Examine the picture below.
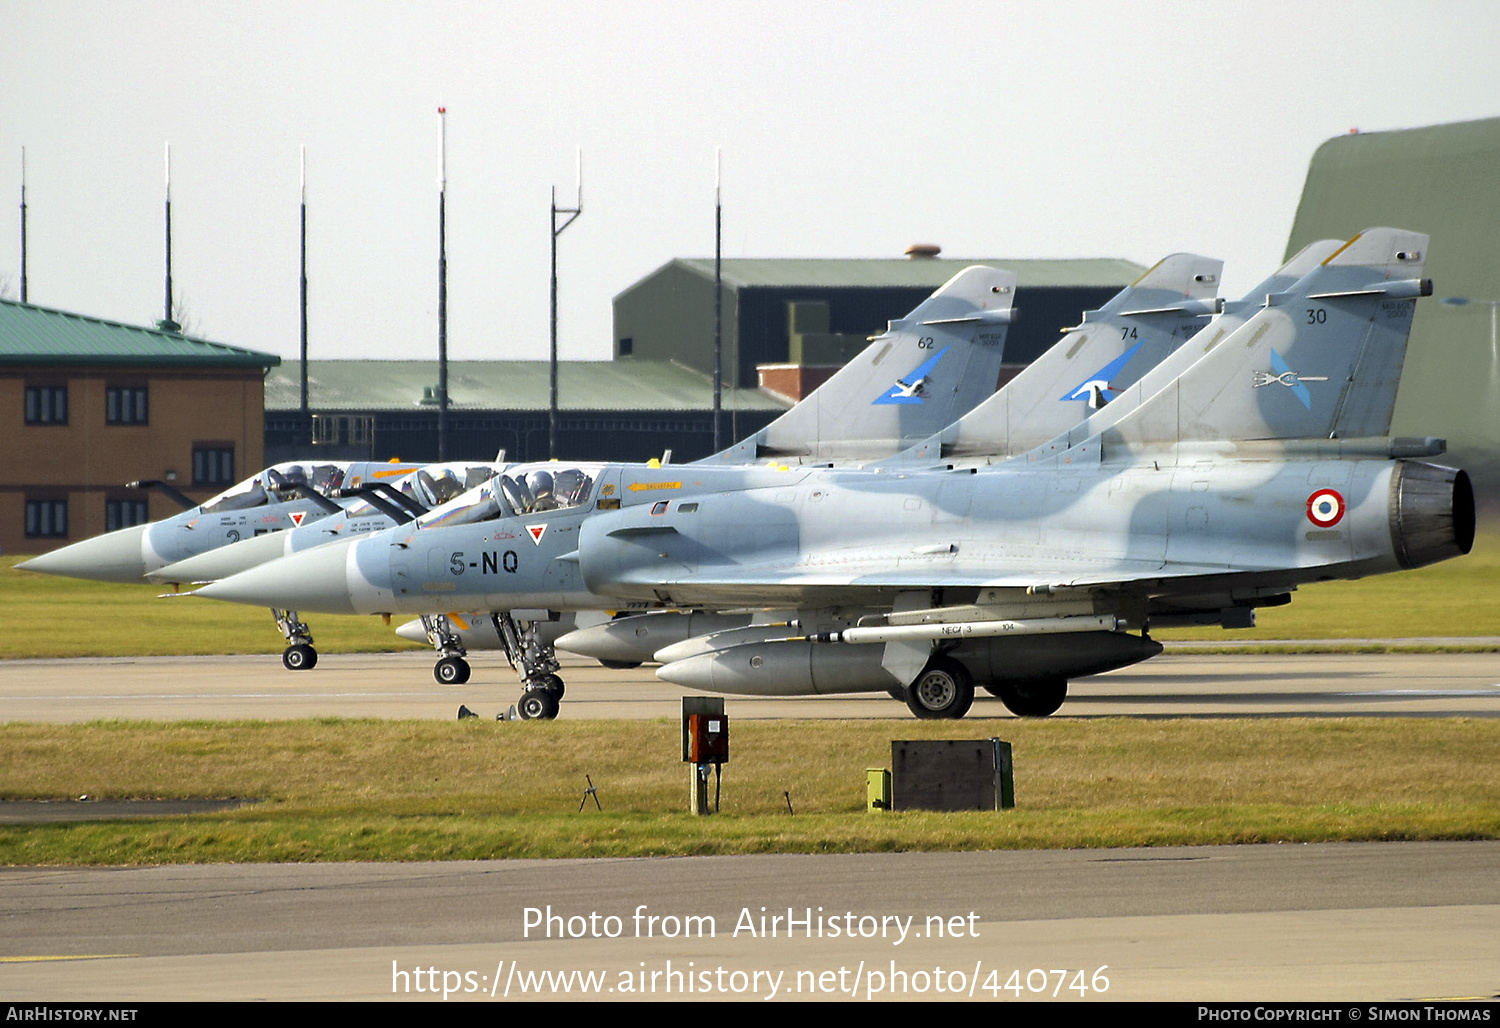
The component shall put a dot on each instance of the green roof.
(33, 336)
(371, 385)
(927, 273)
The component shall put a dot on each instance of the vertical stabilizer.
(1321, 360)
(1235, 314)
(1089, 366)
(924, 371)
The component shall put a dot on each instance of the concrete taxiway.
(399, 685)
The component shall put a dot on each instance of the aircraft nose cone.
(112, 557)
(312, 581)
(225, 561)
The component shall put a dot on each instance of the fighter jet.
(952, 344)
(374, 507)
(1218, 494)
(281, 496)
(1139, 326)
(1212, 497)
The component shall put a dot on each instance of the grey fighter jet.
(1114, 345)
(1092, 364)
(1262, 466)
(924, 371)
(379, 500)
(281, 496)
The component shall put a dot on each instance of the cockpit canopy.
(437, 484)
(523, 489)
(277, 484)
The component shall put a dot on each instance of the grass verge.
(47, 616)
(402, 790)
(1450, 599)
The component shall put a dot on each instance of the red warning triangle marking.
(536, 532)
(297, 518)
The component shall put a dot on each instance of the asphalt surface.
(1344, 922)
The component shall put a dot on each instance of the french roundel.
(1325, 508)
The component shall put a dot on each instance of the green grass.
(1455, 598)
(398, 790)
(48, 616)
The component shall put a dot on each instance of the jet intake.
(1431, 513)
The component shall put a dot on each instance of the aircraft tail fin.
(922, 373)
(1180, 283)
(1321, 360)
(1084, 370)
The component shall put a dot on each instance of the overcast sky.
(848, 129)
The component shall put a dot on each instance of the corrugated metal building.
(608, 410)
(93, 404)
(823, 311)
(658, 393)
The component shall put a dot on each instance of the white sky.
(849, 129)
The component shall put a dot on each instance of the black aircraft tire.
(943, 690)
(451, 671)
(552, 684)
(619, 665)
(301, 657)
(1033, 697)
(537, 705)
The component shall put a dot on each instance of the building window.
(46, 519)
(123, 514)
(213, 465)
(47, 405)
(125, 405)
(627, 346)
(350, 429)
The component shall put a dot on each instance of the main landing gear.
(535, 661)
(451, 668)
(945, 689)
(533, 658)
(299, 654)
(1030, 697)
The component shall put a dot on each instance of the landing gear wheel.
(537, 704)
(943, 690)
(619, 665)
(301, 657)
(1032, 697)
(553, 685)
(451, 671)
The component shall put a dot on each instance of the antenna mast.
(167, 324)
(442, 284)
(23, 224)
(572, 214)
(303, 296)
